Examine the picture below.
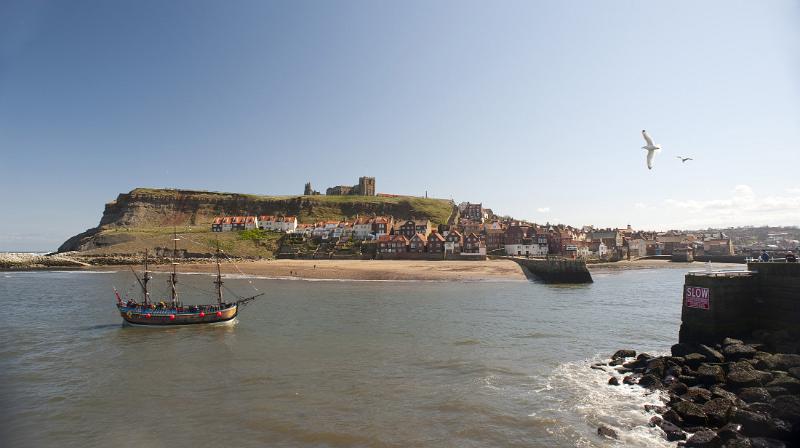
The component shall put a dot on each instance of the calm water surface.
(331, 364)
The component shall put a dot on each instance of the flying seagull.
(684, 159)
(651, 148)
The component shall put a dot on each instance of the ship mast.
(174, 277)
(146, 278)
(218, 281)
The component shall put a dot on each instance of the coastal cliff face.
(159, 208)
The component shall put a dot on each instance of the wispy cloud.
(744, 206)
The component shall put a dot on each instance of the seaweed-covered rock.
(678, 388)
(760, 425)
(719, 392)
(613, 381)
(787, 407)
(656, 366)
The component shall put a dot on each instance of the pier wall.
(556, 270)
(735, 304)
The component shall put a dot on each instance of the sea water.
(331, 363)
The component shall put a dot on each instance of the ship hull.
(171, 318)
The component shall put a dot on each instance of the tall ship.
(147, 312)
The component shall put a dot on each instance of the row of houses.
(263, 222)
(453, 242)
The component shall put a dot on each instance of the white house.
(287, 223)
(533, 250)
(362, 228)
(266, 222)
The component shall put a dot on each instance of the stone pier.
(556, 270)
(721, 304)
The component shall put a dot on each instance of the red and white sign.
(697, 297)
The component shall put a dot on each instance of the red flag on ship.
(119, 299)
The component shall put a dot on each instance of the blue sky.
(533, 108)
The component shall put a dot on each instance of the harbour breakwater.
(556, 270)
(733, 379)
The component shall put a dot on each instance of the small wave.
(579, 390)
(467, 342)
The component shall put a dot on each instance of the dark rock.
(623, 354)
(738, 379)
(697, 395)
(711, 354)
(739, 366)
(691, 413)
(785, 361)
(673, 417)
(729, 432)
(710, 374)
(644, 357)
(731, 341)
(787, 407)
(623, 370)
(655, 408)
(597, 367)
(669, 379)
(737, 352)
(617, 362)
(682, 349)
(688, 380)
(650, 381)
(704, 439)
(605, 431)
(795, 372)
(754, 394)
(741, 442)
(656, 366)
(631, 379)
(764, 442)
(678, 388)
(764, 361)
(764, 377)
(677, 360)
(633, 365)
(777, 391)
(759, 425)
(762, 408)
(718, 410)
(693, 360)
(613, 381)
(718, 392)
(654, 420)
(785, 381)
(671, 431)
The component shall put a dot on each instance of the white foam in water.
(584, 401)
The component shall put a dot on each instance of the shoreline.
(400, 270)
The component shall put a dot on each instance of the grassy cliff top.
(316, 207)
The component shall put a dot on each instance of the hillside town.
(478, 232)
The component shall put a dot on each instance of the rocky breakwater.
(18, 261)
(732, 394)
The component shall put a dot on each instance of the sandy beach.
(494, 270)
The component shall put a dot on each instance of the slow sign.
(697, 297)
